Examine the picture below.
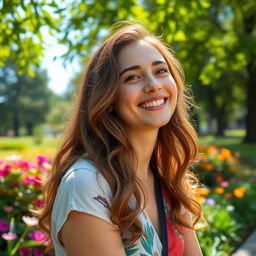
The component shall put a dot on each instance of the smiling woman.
(122, 171)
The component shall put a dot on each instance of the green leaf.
(31, 243)
(180, 36)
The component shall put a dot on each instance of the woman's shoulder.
(84, 176)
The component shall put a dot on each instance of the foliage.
(24, 100)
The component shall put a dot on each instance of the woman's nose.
(152, 85)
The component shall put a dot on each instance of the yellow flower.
(239, 192)
(228, 195)
(225, 153)
(203, 191)
(219, 190)
(200, 199)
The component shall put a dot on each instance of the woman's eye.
(162, 71)
(131, 78)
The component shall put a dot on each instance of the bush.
(20, 191)
(12, 146)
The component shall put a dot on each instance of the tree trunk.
(221, 122)
(251, 105)
(29, 127)
(249, 27)
(212, 107)
(16, 123)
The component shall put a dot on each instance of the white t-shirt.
(80, 190)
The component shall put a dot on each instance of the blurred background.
(44, 47)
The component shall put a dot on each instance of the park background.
(215, 42)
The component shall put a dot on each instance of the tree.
(24, 99)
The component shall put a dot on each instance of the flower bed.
(227, 199)
(20, 184)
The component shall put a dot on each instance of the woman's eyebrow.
(130, 68)
(154, 63)
(157, 62)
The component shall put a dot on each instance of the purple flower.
(42, 159)
(4, 226)
(210, 201)
(37, 252)
(9, 236)
(37, 235)
(24, 251)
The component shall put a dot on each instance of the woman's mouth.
(154, 104)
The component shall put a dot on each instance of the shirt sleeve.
(83, 191)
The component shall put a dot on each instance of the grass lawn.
(27, 147)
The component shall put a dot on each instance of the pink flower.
(24, 251)
(8, 208)
(24, 165)
(42, 159)
(5, 171)
(39, 202)
(28, 180)
(4, 226)
(37, 235)
(9, 236)
(37, 181)
(224, 183)
(30, 221)
(37, 252)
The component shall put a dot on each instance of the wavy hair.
(95, 130)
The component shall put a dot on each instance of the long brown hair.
(100, 133)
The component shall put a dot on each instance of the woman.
(120, 183)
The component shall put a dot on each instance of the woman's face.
(147, 91)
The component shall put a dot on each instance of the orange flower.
(225, 153)
(228, 195)
(200, 199)
(239, 192)
(207, 167)
(202, 157)
(203, 191)
(219, 190)
(212, 150)
(232, 168)
(219, 178)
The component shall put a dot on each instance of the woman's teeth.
(155, 103)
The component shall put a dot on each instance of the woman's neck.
(144, 144)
